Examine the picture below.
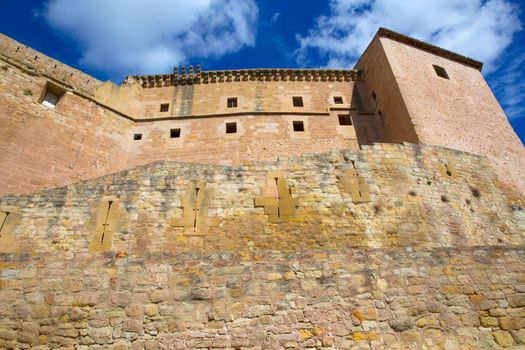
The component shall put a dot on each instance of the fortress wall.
(460, 113)
(44, 147)
(412, 201)
(90, 134)
(36, 62)
(261, 136)
(252, 96)
(403, 268)
(468, 298)
(258, 137)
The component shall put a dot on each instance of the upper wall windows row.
(232, 102)
(231, 127)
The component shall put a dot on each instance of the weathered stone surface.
(516, 300)
(503, 338)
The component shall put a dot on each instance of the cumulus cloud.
(481, 29)
(122, 37)
(508, 83)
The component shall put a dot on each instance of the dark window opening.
(338, 100)
(164, 107)
(137, 137)
(232, 102)
(345, 120)
(298, 125)
(231, 128)
(297, 101)
(174, 133)
(51, 95)
(374, 96)
(441, 72)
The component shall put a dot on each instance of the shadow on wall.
(367, 123)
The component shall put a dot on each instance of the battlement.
(190, 77)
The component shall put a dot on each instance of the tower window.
(374, 96)
(137, 137)
(441, 72)
(51, 95)
(298, 125)
(232, 102)
(164, 107)
(297, 101)
(344, 119)
(175, 133)
(231, 128)
(50, 99)
(338, 100)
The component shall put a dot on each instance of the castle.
(377, 207)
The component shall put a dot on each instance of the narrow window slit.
(5, 219)
(105, 224)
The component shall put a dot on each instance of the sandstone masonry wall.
(44, 147)
(431, 258)
(91, 132)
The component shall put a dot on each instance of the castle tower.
(430, 95)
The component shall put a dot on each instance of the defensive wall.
(394, 246)
(133, 216)
(95, 128)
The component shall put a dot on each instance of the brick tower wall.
(460, 112)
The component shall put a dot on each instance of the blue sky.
(113, 38)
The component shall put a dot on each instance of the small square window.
(50, 99)
(298, 125)
(137, 137)
(164, 107)
(175, 133)
(51, 95)
(338, 100)
(297, 101)
(441, 72)
(232, 102)
(344, 119)
(231, 128)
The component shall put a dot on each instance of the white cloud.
(508, 83)
(121, 37)
(475, 28)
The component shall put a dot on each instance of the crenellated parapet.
(192, 76)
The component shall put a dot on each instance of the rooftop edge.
(404, 39)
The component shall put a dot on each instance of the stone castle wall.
(91, 130)
(394, 246)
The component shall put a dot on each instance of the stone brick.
(516, 300)
(503, 338)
